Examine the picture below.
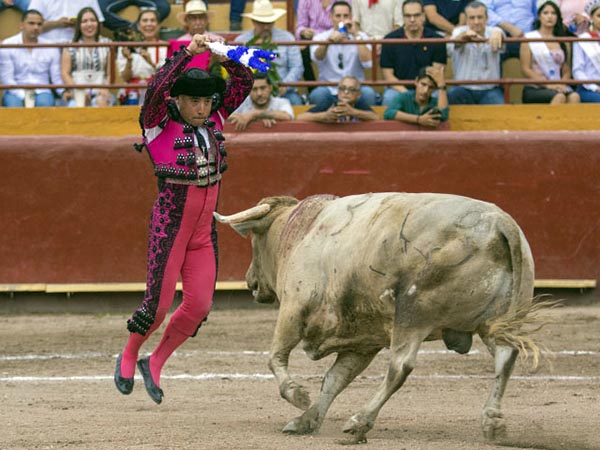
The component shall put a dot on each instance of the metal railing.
(372, 81)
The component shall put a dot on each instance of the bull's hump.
(303, 216)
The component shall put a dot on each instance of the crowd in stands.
(477, 27)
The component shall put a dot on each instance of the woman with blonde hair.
(87, 65)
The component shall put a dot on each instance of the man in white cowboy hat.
(194, 19)
(289, 60)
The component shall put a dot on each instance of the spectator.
(21, 5)
(261, 105)
(586, 57)
(547, 60)
(137, 65)
(444, 15)
(348, 106)
(420, 107)
(313, 17)
(377, 17)
(289, 60)
(476, 57)
(236, 9)
(575, 19)
(29, 66)
(87, 65)
(195, 19)
(514, 17)
(114, 22)
(59, 17)
(336, 60)
(403, 61)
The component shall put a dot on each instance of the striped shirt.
(311, 14)
(475, 61)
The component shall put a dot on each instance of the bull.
(357, 274)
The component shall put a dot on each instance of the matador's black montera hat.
(198, 83)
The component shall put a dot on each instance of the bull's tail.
(522, 319)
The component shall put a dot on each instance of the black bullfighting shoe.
(124, 385)
(153, 390)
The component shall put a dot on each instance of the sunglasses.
(340, 61)
(345, 89)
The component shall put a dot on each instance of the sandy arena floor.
(57, 392)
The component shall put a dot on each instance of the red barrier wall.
(75, 209)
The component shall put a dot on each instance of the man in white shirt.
(29, 65)
(476, 57)
(335, 60)
(261, 105)
(59, 17)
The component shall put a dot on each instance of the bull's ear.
(247, 227)
(245, 221)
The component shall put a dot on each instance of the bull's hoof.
(358, 426)
(296, 395)
(492, 424)
(354, 440)
(307, 423)
(299, 426)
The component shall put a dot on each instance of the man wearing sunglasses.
(336, 60)
(347, 107)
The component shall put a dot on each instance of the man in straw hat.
(182, 135)
(289, 59)
(194, 18)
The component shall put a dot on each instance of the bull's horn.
(252, 213)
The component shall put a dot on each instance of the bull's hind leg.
(347, 366)
(287, 335)
(404, 348)
(492, 419)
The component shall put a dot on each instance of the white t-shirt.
(275, 104)
(56, 9)
(140, 68)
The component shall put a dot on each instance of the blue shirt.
(521, 13)
(324, 106)
(407, 59)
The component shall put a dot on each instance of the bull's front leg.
(288, 333)
(347, 366)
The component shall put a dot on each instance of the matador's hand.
(198, 44)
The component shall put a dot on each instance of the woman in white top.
(586, 57)
(138, 64)
(547, 60)
(87, 65)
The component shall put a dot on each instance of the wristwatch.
(443, 88)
